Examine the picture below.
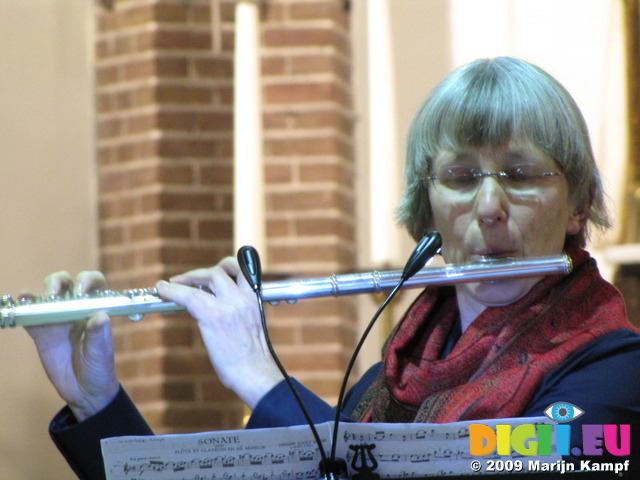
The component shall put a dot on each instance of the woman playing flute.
(499, 162)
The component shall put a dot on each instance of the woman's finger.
(89, 282)
(58, 283)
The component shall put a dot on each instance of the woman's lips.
(494, 254)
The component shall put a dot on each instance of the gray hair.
(490, 102)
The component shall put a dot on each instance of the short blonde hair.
(491, 102)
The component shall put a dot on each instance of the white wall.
(47, 194)
(581, 43)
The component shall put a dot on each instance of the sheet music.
(269, 454)
(396, 450)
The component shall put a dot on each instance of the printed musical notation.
(269, 454)
(391, 450)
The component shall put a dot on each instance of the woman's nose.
(491, 201)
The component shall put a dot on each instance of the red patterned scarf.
(499, 361)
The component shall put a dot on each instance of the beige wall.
(47, 195)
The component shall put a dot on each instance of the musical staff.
(391, 450)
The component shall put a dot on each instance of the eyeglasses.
(522, 179)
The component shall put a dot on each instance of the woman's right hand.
(78, 356)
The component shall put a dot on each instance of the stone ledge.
(625, 254)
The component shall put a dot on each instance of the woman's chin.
(497, 293)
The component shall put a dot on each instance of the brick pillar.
(310, 180)
(164, 110)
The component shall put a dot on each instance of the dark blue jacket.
(602, 378)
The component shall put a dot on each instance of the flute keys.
(6, 301)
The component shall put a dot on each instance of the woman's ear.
(577, 220)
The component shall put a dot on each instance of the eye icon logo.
(563, 412)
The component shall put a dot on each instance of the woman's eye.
(523, 174)
(462, 177)
(563, 412)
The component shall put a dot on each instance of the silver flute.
(136, 303)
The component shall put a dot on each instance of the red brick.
(140, 123)
(279, 228)
(214, 229)
(307, 147)
(138, 15)
(218, 68)
(279, 174)
(302, 37)
(326, 172)
(213, 390)
(111, 235)
(171, 390)
(174, 94)
(138, 69)
(304, 93)
(324, 226)
(171, 13)
(189, 416)
(195, 121)
(106, 75)
(309, 200)
(186, 362)
(190, 255)
(163, 229)
(179, 148)
(193, 202)
(217, 174)
(172, 67)
(273, 66)
(301, 254)
(181, 39)
(329, 334)
(164, 100)
(320, 10)
(312, 361)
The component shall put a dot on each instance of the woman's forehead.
(511, 152)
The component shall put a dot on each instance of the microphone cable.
(424, 251)
(249, 261)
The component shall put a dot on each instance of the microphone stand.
(249, 262)
(332, 468)
(424, 251)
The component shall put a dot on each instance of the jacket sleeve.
(79, 442)
(279, 408)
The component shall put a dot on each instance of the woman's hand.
(230, 326)
(78, 356)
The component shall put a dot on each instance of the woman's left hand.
(230, 325)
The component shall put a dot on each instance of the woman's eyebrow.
(524, 155)
(458, 157)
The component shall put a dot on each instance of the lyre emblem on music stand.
(364, 462)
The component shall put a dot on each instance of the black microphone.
(428, 247)
(249, 261)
